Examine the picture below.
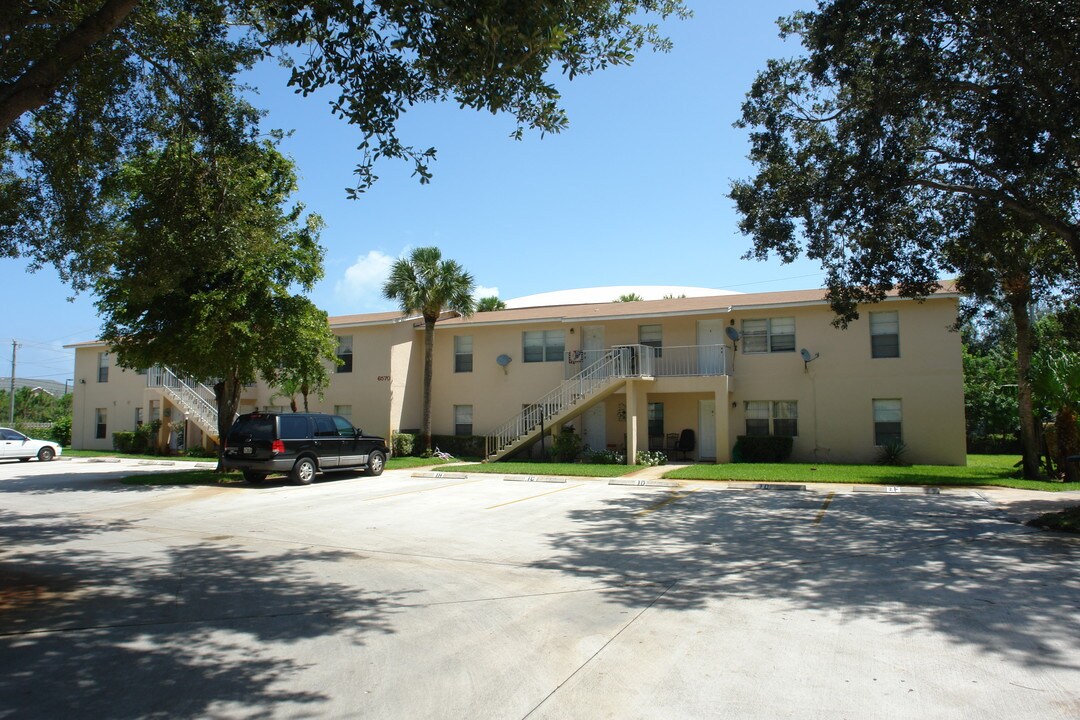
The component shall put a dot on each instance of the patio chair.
(687, 442)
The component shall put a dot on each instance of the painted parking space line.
(531, 497)
(671, 498)
(420, 490)
(824, 507)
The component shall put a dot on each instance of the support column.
(637, 419)
(723, 423)
(631, 421)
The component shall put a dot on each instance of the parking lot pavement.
(476, 597)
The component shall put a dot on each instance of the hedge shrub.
(402, 444)
(762, 449)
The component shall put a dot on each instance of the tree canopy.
(916, 138)
(490, 304)
(203, 262)
(84, 86)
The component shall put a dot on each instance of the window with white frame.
(885, 334)
(101, 417)
(103, 367)
(772, 417)
(768, 335)
(344, 353)
(138, 416)
(462, 353)
(887, 420)
(155, 410)
(543, 345)
(463, 419)
(652, 336)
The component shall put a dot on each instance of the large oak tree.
(919, 138)
(204, 256)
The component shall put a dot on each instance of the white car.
(14, 444)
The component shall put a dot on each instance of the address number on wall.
(384, 378)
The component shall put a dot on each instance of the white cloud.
(482, 292)
(361, 287)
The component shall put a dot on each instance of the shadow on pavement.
(950, 565)
(185, 632)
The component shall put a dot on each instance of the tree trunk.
(227, 396)
(1020, 300)
(429, 349)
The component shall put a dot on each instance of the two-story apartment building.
(627, 376)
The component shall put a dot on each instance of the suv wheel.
(303, 471)
(375, 464)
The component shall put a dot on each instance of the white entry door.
(710, 340)
(592, 342)
(706, 429)
(594, 432)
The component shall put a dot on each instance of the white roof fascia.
(647, 316)
(371, 323)
(87, 344)
(809, 303)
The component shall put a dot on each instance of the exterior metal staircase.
(577, 394)
(191, 396)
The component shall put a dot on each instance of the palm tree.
(427, 284)
(629, 297)
(1056, 387)
(490, 304)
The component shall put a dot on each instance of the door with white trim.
(592, 343)
(710, 340)
(706, 443)
(594, 431)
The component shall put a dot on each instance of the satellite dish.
(805, 355)
(732, 333)
(503, 360)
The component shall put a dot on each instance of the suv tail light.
(277, 447)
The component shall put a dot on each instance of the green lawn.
(538, 468)
(996, 470)
(209, 477)
(68, 452)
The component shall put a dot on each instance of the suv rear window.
(259, 428)
(293, 427)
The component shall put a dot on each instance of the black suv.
(300, 444)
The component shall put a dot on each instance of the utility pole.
(11, 417)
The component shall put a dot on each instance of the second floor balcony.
(649, 361)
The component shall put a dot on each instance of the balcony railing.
(644, 360)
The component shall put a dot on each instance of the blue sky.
(634, 192)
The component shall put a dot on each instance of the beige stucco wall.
(496, 393)
(124, 391)
(834, 392)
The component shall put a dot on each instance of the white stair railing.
(191, 396)
(615, 365)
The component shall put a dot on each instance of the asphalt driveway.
(477, 597)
